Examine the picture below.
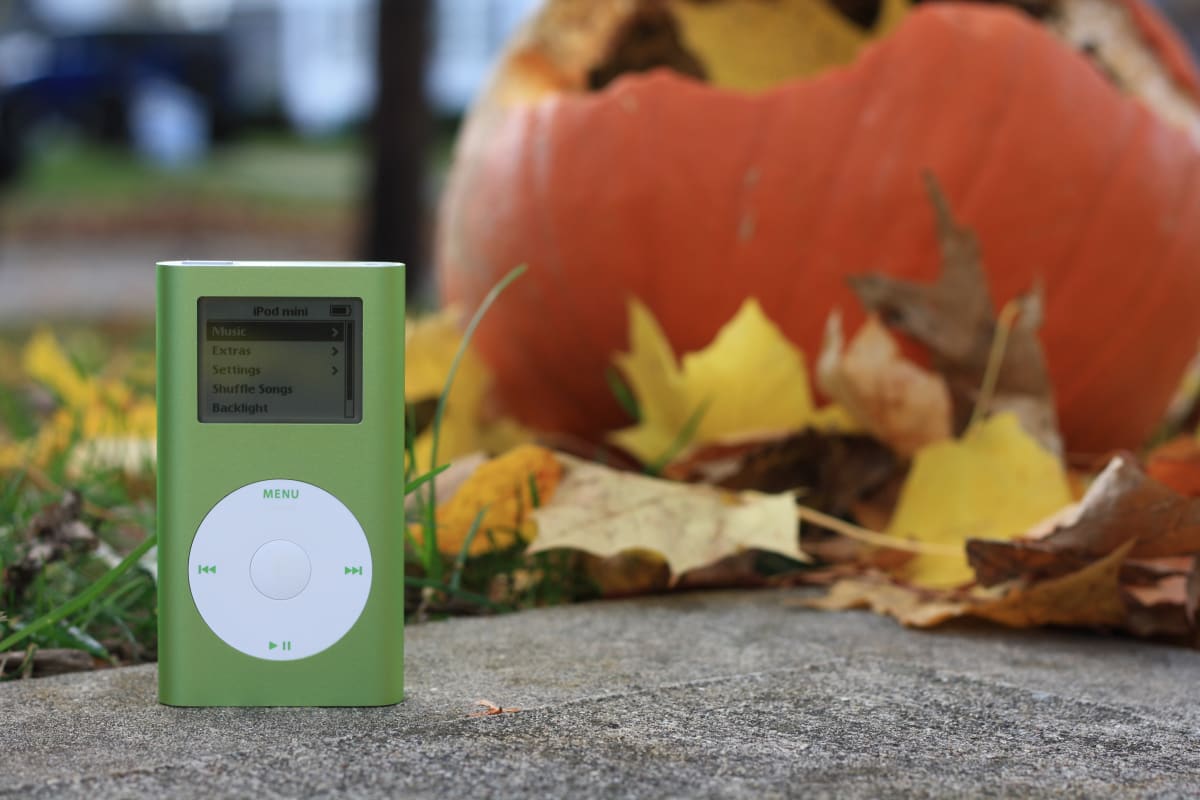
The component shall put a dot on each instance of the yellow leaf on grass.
(753, 45)
(93, 409)
(45, 362)
(994, 483)
(504, 486)
(430, 344)
(605, 512)
(749, 379)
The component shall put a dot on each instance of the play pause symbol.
(284, 645)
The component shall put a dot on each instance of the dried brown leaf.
(898, 402)
(911, 606)
(1192, 603)
(1123, 503)
(1159, 612)
(1170, 590)
(1151, 571)
(955, 318)
(1088, 597)
(831, 471)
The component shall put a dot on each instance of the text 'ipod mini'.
(280, 483)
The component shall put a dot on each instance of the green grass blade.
(470, 597)
(535, 497)
(82, 600)
(410, 540)
(430, 554)
(417, 483)
(461, 560)
(682, 439)
(623, 394)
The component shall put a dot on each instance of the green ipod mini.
(280, 483)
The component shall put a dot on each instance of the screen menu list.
(280, 359)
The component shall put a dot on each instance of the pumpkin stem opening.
(755, 45)
(649, 38)
(863, 13)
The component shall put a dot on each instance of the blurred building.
(467, 37)
(172, 76)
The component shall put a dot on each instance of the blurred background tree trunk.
(397, 222)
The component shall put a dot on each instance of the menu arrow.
(335, 371)
(333, 351)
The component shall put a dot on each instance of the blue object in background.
(168, 123)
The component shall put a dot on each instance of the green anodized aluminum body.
(281, 483)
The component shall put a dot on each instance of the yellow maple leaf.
(752, 45)
(750, 379)
(605, 512)
(430, 344)
(994, 483)
(503, 488)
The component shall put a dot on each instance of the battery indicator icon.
(339, 310)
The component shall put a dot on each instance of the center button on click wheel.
(280, 569)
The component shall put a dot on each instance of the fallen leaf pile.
(707, 390)
(955, 319)
(928, 494)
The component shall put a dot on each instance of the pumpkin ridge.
(1123, 334)
(559, 302)
(1080, 273)
(866, 65)
(1095, 357)
(1016, 70)
(528, 359)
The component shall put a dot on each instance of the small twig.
(991, 373)
(858, 533)
(490, 709)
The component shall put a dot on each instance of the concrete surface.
(699, 695)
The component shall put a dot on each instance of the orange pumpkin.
(693, 197)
